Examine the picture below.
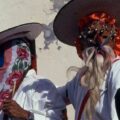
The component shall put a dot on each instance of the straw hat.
(66, 22)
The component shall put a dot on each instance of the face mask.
(15, 57)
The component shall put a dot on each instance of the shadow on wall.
(58, 4)
(49, 35)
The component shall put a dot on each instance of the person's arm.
(69, 91)
(117, 102)
(114, 89)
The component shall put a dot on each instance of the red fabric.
(83, 105)
(34, 63)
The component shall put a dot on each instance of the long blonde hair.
(94, 76)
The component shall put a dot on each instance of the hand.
(11, 108)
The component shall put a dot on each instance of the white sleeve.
(113, 85)
(47, 103)
(114, 78)
(68, 92)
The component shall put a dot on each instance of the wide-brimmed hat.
(28, 30)
(66, 22)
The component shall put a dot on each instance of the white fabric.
(105, 109)
(39, 95)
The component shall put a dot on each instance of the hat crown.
(66, 22)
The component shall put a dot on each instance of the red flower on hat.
(14, 76)
(22, 53)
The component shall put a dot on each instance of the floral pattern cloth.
(18, 57)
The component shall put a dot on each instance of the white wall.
(54, 57)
